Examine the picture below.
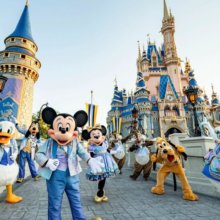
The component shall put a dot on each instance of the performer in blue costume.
(98, 148)
(58, 159)
(27, 150)
(212, 158)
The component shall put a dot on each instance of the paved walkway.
(127, 200)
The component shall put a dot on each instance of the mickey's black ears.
(81, 118)
(85, 135)
(48, 115)
(104, 130)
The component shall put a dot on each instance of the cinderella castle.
(19, 69)
(167, 97)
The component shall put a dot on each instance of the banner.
(92, 114)
(117, 121)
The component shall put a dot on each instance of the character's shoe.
(104, 199)
(97, 218)
(20, 180)
(120, 172)
(36, 178)
(98, 199)
(133, 177)
(157, 190)
(190, 196)
(13, 199)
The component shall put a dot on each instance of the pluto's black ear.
(85, 135)
(104, 130)
(48, 115)
(81, 118)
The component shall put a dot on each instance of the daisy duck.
(59, 163)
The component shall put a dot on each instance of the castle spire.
(165, 11)
(139, 58)
(23, 28)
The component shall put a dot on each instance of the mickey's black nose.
(62, 130)
(34, 129)
(96, 137)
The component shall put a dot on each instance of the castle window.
(23, 56)
(12, 39)
(176, 110)
(33, 46)
(24, 41)
(36, 62)
(6, 54)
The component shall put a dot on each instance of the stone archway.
(172, 131)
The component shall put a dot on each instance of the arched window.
(167, 110)
(176, 111)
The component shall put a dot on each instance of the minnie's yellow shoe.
(104, 199)
(98, 199)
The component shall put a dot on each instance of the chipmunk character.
(117, 149)
(27, 150)
(170, 157)
(98, 148)
(58, 159)
(142, 156)
(8, 155)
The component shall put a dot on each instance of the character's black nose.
(34, 129)
(96, 137)
(165, 151)
(62, 130)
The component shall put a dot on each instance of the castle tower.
(20, 67)
(171, 58)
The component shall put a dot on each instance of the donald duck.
(8, 154)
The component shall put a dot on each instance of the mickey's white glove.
(95, 165)
(52, 164)
(13, 157)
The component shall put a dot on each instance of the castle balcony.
(172, 119)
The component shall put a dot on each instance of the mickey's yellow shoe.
(98, 199)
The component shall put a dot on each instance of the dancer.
(98, 148)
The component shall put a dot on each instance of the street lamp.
(192, 94)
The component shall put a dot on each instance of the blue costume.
(26, 152)
(64, 178)
(212, 164)
(110, 167)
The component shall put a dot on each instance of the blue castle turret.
(20, 67)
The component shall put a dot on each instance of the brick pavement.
(127, 200)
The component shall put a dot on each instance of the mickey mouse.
(98, 148)
(59, 163)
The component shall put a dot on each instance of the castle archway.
(172, 131)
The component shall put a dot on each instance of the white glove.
(95, 165)
(52, 164)
(13, 157)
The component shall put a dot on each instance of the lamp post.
(192, 94)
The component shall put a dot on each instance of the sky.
(85, 44)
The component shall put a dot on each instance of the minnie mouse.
(98, 148)
(59, 163)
